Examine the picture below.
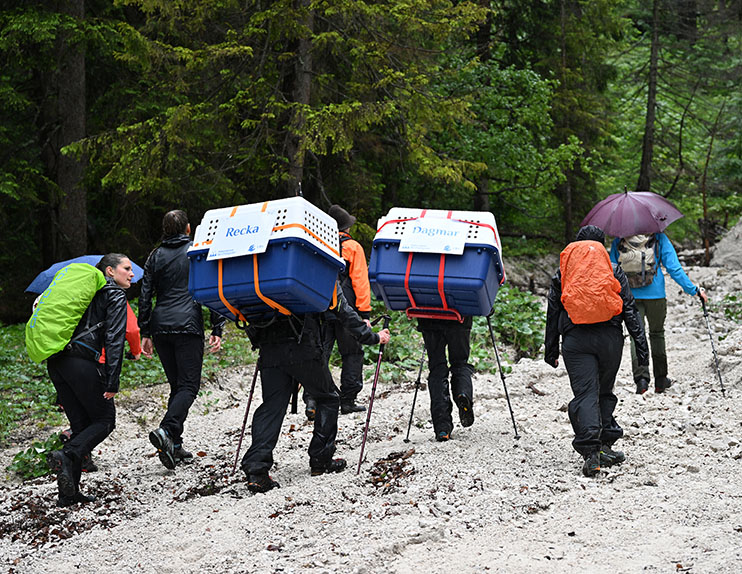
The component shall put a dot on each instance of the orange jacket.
(132, 334)
(358, 274)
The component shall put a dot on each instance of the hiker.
(175, 328)
(437, 335)
(589, 323)
(291, 349)
(84, 387)
(651, 299)
(357, 290)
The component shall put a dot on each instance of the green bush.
(32, 462)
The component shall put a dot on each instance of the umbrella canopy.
(632, 213)
(44, 279)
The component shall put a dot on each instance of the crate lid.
(482, 229)
(295, 218)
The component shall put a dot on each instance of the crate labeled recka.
(440, 285)
(296, 273)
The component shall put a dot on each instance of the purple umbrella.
(632, 213)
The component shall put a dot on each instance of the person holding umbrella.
(651, 300)
(637, 221)
(84, 387)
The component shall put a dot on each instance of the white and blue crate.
(296, 273)
(437, 284)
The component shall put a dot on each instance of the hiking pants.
(457, 341)
(592, 356)
(277, 383)
(181, 356)
(351, 352)
(655, 311)
(80, 388)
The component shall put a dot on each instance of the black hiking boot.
(591, 467)
(64, 501)
(261, 483)
(182, 455)
(335, 465)
(310, 409)
(348, 407)
(88, 465)
(609, 457)
(442, 436)
(466, 414)
(164, 445)
(641, 386)
(662, 386)
(61, 464)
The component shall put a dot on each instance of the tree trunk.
(645, 179)
(301, 94)
(63, 115)
(484, 40)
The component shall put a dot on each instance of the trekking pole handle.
(386, 319)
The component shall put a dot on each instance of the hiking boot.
(335, 465)
(609, 457)
(466, 414)
(65, 435)
(182, 455)
(164, 445)
(442, 436)
(663, 385)
(88, 465)
(310, 409)
(261, 483)
(61, 464)
(591, 467)
(64, 501)
(641, 386)
(349, 407)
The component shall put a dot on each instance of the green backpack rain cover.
(60, 308)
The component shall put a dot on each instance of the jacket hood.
(176, 240)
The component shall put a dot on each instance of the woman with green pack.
(85, 387)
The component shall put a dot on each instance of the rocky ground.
(482, 502)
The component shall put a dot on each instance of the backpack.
(590, 292)
(59, 309)
(638, 259)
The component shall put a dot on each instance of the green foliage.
(731, 305)
(31, 463)
(25, 388)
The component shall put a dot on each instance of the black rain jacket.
(558, 321)
(166, 277)
(102, 325)
(298, 338)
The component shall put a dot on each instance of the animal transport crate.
(437, 285)
(295, 274)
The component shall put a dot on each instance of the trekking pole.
(414, 398)
(244, 421)
(502, 375)
(386, 318)
(713, 347)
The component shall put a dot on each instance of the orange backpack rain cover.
(590, 292)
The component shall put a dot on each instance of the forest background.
(114, 111)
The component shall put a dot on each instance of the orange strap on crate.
(236, 312)
(267, 300)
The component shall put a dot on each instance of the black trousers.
(277, 376)
(592, 356)
(181, 356)
(351, 352)
(80, 388)
(457, 341)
